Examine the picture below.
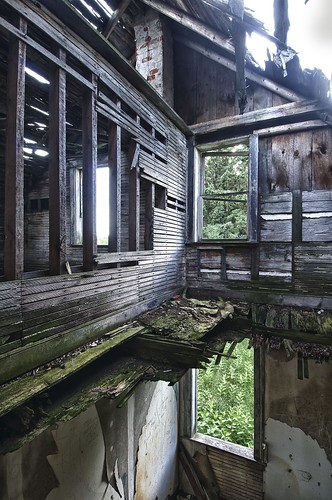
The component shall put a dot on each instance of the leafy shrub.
(225, 398)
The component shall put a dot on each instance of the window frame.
(252, 196)
(188, 413)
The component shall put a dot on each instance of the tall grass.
(225, 398)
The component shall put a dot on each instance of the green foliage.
(225, 398)
(226, 179)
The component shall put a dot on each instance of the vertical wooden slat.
(255, 262)
(259, 404)
(89, 139)
(148, 216)
(57, 169)
(190, 194)
(114, 163)
(14, 176)
(253, 189)
(134, 204)
(134, 199)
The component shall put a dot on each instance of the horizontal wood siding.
(42, 311)
(317, 216)
(295, 225)
(313, 268)
(237, 477)
(236, 474)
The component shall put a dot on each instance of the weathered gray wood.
(190, 22)
(57, 170)
(134, 198)
(35, 354)
(89, 161)
(23, 389)
(46, 53)
(253, 120)
(148, 216)
(114, 164)
(82, 28)
(253, 221)
(14, 162)
(291, 128)
(115, 18)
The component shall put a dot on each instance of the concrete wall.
(104, 453)
(298, 430)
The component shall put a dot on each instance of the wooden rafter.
(112, 22)
(192, 23)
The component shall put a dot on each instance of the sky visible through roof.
(310, 32)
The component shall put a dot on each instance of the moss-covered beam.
(21, 390)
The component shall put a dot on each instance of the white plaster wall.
(79, 462)
(105, 453)
(298, 429)
(297, 467)
(156, 466)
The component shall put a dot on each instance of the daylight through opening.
(225, 193)
(225, 397)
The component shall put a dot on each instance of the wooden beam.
(65, 12)
(148, 216)
(89, 138)
(14, 161)
(57, 169)
(23, 359)
(192, 23)
(114, 163)
(239, 37)
(253, 222)
(248, 22)
(24, 388)
(290, 128)
(276, 115)
(115, 18)
(281, 21)
(134, 205)
(250, 74)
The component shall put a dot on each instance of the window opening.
(74, 154)
(160, 197)
(102, 205)
(225, 193)
(36, 163)
(225, 397)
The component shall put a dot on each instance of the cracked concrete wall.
(105, 453)
(298, 430)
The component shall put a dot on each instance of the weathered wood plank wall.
(209, 88)
(294, 196)
(36, 313)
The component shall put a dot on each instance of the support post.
(57, 169)
(14, 161)
(89, 135)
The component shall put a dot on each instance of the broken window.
(228, 197)
(225, 396)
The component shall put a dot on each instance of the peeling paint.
(80, 461)
(156, 458)
(297, 466)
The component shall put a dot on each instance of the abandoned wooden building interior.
(114, 286)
